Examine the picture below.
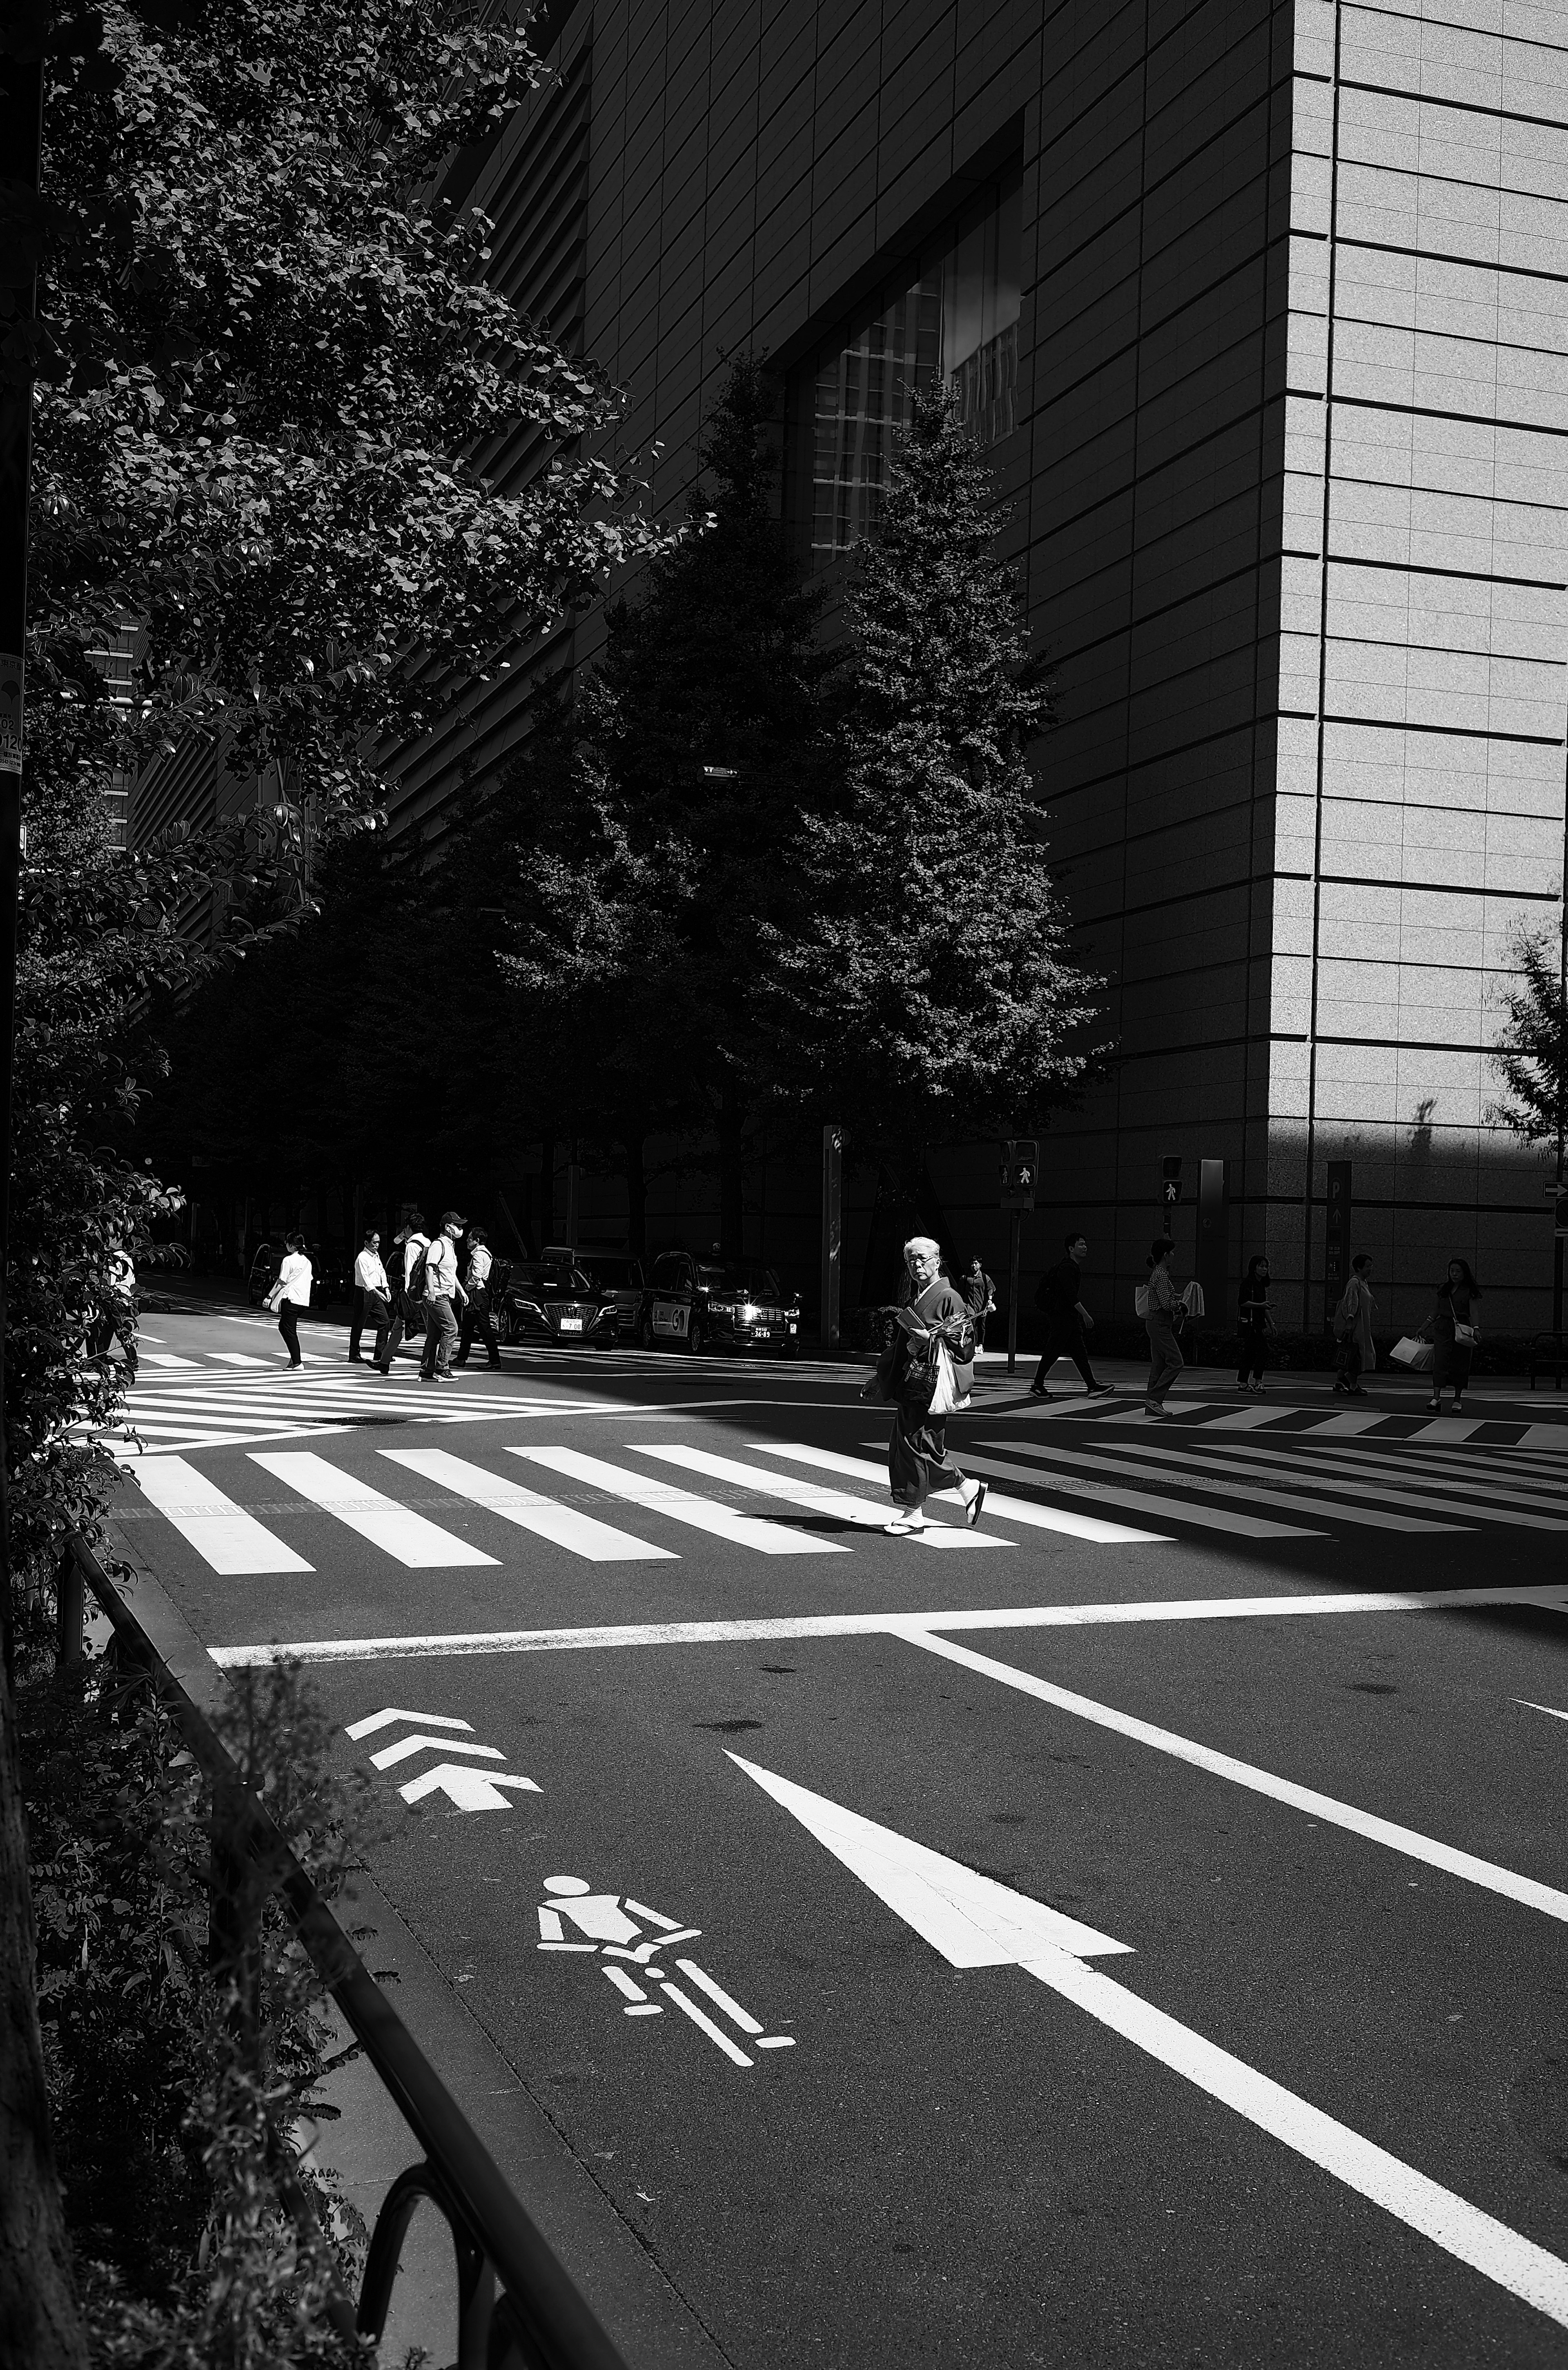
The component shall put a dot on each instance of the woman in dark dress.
(1256, 1320)
(918, 1460)
(1453, 1330)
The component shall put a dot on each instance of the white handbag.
(1140, 1300)
(944, 1397)
(1413, 1353)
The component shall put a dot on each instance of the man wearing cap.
(441, 1288)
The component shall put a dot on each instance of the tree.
(697, 741)
(920, 987)
(268, 369)
(1532, 1055)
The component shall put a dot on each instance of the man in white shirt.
(407, 1315)
(369, 1276)
(441, 1288)
(478, 1315)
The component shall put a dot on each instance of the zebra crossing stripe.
(223, 1534)
(1008, 1510)
(1390, 1500)
(166, 1358)
(419, 1544)
(809, 1495)
(565, 1526)
(680, 1505)
(1476, 1491)
(1153, 1468)
(1085, 1484)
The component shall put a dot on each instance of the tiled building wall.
(1425, 626)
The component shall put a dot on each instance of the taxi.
(552, 1300)
(698, 1305)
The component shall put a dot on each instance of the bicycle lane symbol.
(622, 1934)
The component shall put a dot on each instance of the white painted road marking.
(1147, 1462)
(1396, 1496)
(166, 1358)
(1010, 1509)
(971, 1919)
(407, 1746)
(680, 1505)
(1081, 1484)
(1488, 2245)
(1551, 1709)
(416, 1544)
(1525, 1890)
(704, 2023)
(779, 1629)
(810, 1496)
(223, 1534)
(469, 1789)
(375, 1720)
(564, 1526)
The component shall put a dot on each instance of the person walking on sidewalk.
(1165, 1361)
(292, 1291)
(1453, 1331)
(441, 1288)
(372, 1303)
(408, 1294)
(980, 1292)
(1256, 1321)
(1067, 1321)
(477, 1314)
(1353, 1326)
(916, 1457)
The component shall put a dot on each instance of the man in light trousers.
(441, 1288)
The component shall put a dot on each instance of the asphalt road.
(1122, 1935)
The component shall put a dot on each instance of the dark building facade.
(1260, 311)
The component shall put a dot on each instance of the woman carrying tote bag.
(1453, 1332)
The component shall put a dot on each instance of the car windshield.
(610, 1275)
(739, 1282)
(539, 1278)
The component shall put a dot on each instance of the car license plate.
(762, 1333)
(571, 1324)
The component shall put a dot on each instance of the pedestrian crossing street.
(636, 1500)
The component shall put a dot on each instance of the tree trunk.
(547, 1190)
(39, 2323)
(636, 1191)
(732, 1177)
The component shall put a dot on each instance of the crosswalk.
(1301, 1421)
(247, 1410)
(772, 1498)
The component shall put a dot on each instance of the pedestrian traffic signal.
(1020, 1169)
(1171, 1180)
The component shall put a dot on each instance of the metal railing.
(518, 2309)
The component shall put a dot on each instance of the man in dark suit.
(1067, 1321)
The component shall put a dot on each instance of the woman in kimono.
(916, 1457)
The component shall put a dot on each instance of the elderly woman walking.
(916, 1457)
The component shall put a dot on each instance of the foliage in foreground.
(176, 2082)
(1532, 1053)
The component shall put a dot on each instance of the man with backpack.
(408, 1297)
(440, 1287)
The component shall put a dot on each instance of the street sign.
(1171, 1180)
(1020, 1169)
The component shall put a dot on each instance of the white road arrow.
(471, 1789)
(971, 1919)
(934, 1896)
(407, 1746)
(385, 1720)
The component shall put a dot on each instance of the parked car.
(621, 1280)
(552, 1300)
(703, 1305)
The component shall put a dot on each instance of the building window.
(949, 314)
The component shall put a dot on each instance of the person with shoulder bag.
(1156, 1303)
(407, 1292)
(290, 1294)
(926, 1372)
(373, 1301)
(1453, 1330)
(477, 1314)
(441, 1288)
(1352, 1330)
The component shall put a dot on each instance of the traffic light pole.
(1012, 1288)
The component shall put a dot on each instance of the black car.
(702, 1305)
(618, 1278)
(329, 1280)
(548, 1300)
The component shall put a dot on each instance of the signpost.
(1336, 1237)
(1020, 1170)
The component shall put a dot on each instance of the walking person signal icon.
(1019, 1171)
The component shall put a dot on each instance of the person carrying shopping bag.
(933, 1334)
(1453, 1332)
(1156, 1304)
(1256, 1319)
(291, 1294)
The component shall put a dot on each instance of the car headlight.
(607, 1308)
(748, 1315)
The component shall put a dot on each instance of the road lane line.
(1153, 1469)
(223, 1534)
(1011, 1510)
(1525, 1890)
(781, 1629)
(408, 1537)
(583, 1534)
(1488, 2245)
(809, 1495)
(680, 1505)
